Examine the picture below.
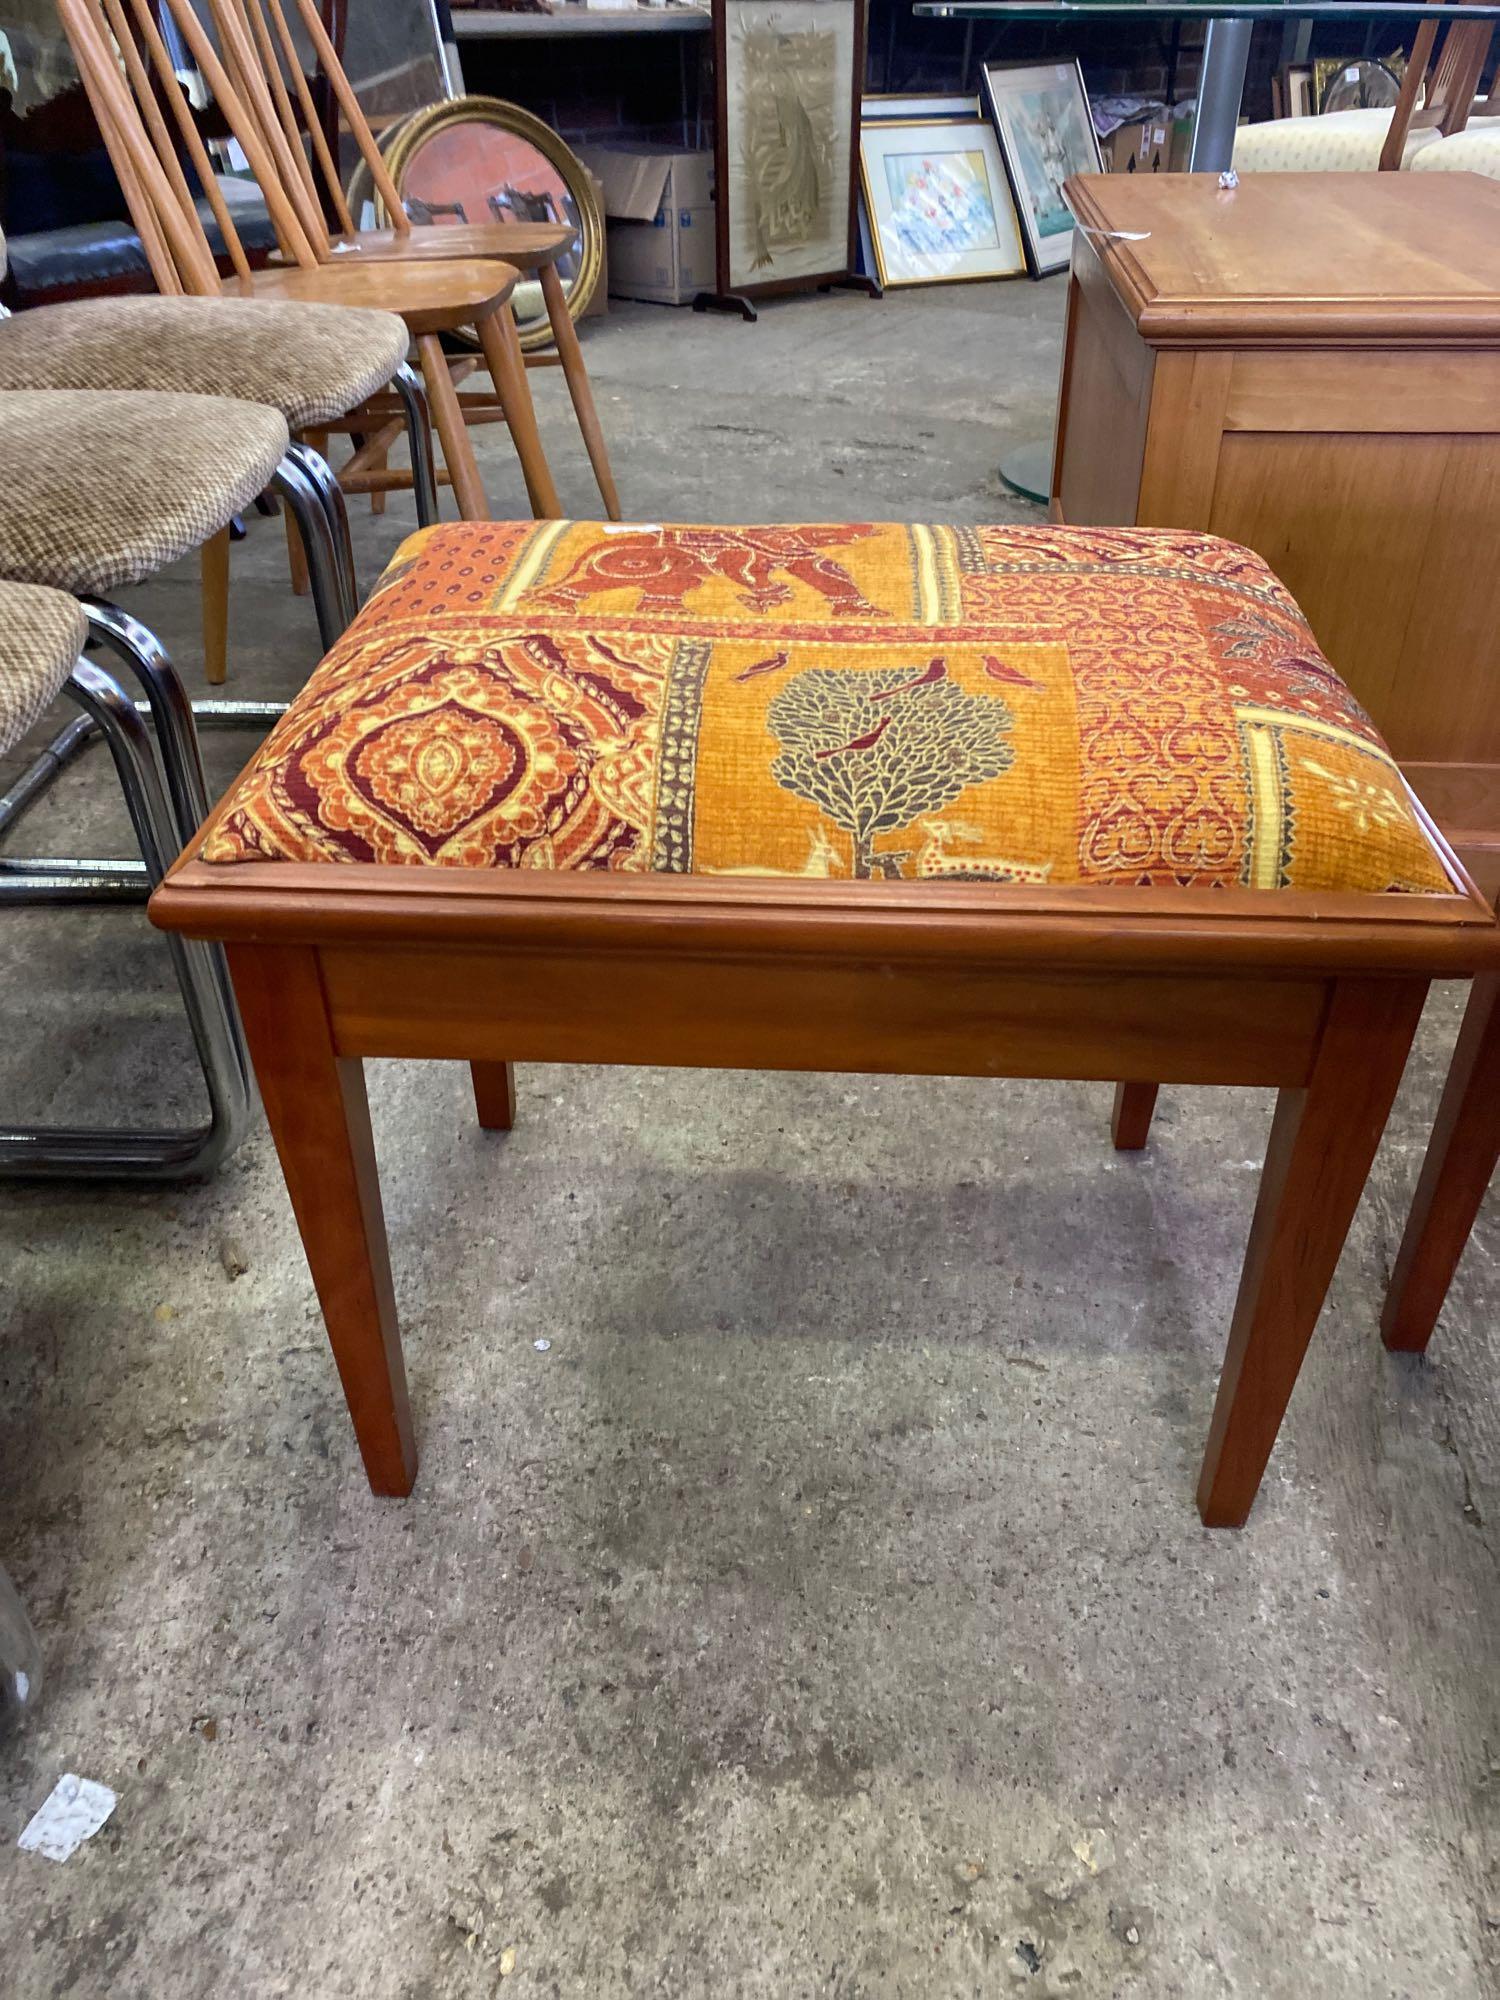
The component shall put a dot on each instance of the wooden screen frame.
(780, 287)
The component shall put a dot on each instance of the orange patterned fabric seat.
(1128, 707)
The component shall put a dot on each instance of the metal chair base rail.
(152, 1153)
(28, 879)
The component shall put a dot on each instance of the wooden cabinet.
(1310, 364)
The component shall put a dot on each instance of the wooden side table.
(1310, 364)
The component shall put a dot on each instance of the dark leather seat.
(85, 256)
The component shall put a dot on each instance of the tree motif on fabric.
(875, 755)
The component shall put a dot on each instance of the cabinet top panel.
(1299, 259)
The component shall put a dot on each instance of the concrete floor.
(826, 1612)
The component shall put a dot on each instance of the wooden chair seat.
(433, 299)
(528, 245)
(989, 802)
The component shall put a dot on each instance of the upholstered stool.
(985, 802)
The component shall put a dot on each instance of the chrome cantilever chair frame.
(149, 1154)
(306, 482)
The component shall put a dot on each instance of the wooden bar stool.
(974, 802)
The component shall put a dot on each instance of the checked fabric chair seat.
(105, 488)
(1027, 705)
(311, 363)
(44, 633)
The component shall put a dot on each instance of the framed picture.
(939, 204)
(1353, 83)
(1041, 112)
(1295, 89)
(789, 74)
(894, 106)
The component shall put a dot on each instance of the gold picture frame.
(899, 259)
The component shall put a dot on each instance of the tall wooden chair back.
(113, 48)
(262, 52)
(1450, 84)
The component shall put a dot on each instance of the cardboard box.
(660, 210)
(1156, 145)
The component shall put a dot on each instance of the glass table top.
(1205, 10)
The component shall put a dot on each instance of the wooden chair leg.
(579, 387)
(453, 432)
(1323, 1140)
(1130, 1122)
(213, 565)
(507, 366)
(1461, 1158)
(494, 1094)
(319, 1117)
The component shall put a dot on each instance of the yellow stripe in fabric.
(929, 591)
(1267, 808)
(528, 564)
(1280, 718)
(945, 565)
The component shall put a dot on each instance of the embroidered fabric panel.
(1110, 706)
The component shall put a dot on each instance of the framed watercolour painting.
(789, 78)
(1041, 112)
(938, 201)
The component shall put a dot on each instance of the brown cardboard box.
(1157, 145)
(660, 214)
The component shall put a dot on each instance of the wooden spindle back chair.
(432, 298)
(259, 49)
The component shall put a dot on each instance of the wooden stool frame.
(1462, 1155)
(1461, 1159)
(1318, 996)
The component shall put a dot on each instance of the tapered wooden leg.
(503, 358)
(1461, 1157)
(579, 387)
(320, 1120)
(494, 1094)
(1130, 1123)
(213, 565)
(453, 432)
(1323, 1140)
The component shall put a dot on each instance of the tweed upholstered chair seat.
(313, 363)
(1027, 705)
(106, 488)
(42, 634)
